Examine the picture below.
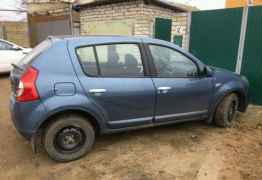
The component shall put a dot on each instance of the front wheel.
(225, 115)
(68, 138)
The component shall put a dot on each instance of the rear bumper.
(25, 116)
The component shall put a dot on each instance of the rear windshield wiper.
(17, 67)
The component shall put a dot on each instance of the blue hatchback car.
(69, 89)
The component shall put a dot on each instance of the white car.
(10, 53)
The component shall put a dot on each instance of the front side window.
(5, 46)
(115, 60)
(171, 63)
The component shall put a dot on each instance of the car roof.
(111, 38)
(91, 37)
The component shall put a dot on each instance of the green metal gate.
(214, 36)
(252, 59)
(215, 39)
(178, 40)
(163, 29)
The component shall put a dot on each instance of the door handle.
(163, 89)
(97, 90)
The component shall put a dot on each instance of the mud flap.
(33, 143)
(210, 119)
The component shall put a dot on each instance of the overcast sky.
(14, 4)
(204, 4)
(11, 16)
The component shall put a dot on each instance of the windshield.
(35, 52)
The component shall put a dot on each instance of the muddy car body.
(69, 89)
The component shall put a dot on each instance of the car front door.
(181, 93)
(115, 79)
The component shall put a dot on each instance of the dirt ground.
(182, 152)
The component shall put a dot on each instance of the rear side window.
(115, 60)
(88, 60)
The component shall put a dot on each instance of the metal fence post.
(189, 20)
(71, 18)
(242, 39)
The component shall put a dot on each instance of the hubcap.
(69, 139)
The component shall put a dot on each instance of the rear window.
(35, 52)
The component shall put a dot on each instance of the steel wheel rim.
(69, 140)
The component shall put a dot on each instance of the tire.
(225, 115)
(68, 138)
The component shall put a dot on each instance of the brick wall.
(122, 11)
(16, 32)
(48, 8)
(45, 13)
(179, 20)
(140, 14)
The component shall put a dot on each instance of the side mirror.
(16, 48)
(207, 72)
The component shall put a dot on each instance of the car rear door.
(115, 77)
(181, 93)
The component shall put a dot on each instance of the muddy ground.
(183, 152)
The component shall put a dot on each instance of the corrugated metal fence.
(231, 39)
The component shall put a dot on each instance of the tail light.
(26, 90)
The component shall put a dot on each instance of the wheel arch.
(240, 95)
(242, 101)
(91, 117)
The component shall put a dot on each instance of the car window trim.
(142, 54)
(97, 62)
(155, 74)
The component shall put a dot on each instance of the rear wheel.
(68, 138)
(225, 115)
